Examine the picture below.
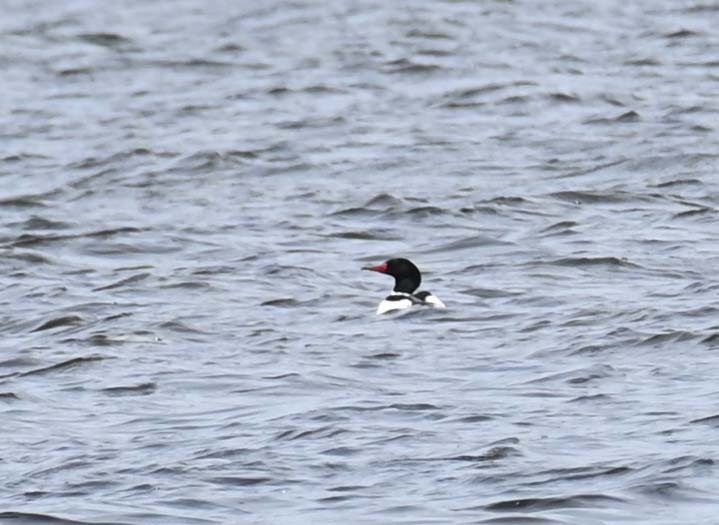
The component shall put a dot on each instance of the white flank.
(434, 301)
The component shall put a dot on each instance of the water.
(189, 190)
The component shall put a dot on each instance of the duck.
(407, 279)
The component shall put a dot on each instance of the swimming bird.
(406, 281)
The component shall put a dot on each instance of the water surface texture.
(188, 191)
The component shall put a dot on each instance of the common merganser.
(406, 280)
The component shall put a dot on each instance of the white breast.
(387, 306)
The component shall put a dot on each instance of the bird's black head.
(406, 275)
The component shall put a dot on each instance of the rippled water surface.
(188, 191)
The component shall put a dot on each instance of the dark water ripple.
(189, 191)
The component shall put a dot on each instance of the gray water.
(188, 191)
